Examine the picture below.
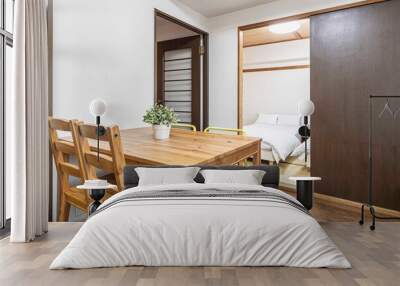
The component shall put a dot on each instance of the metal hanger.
(387, 108)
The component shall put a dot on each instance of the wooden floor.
(375, 257)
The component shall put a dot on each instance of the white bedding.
(282, 139)
(300, 150)
(200, 231)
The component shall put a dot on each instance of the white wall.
(223, 50)
(278, 54)
(104, 48)
(276, 92)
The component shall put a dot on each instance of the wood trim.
(308, 14)
(275, 42)
(205, 82)
(240, 80)
(155, 62)
(179, 22)
(277, 68)
(344, 204)
(196, 82)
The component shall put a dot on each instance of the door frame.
(241, 29)
(205, 86)
(192, 43)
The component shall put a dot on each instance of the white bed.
(280, 138)
(186, 230)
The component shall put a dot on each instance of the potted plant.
(161, 117)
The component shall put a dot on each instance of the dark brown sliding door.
(179, 78)
(356, 53)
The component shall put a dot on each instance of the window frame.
(6, 39)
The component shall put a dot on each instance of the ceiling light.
(284, 28)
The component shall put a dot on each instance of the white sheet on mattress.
(206, 231)
(300, 150)
(282, 139)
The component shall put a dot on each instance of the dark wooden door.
(355, 53)
(179, 78)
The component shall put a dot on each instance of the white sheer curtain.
(27, 137)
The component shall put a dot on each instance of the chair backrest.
(184, 126)
(225, 130)
(112, 161)
(64, 148)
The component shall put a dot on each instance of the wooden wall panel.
(355, 53)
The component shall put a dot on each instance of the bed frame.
(270, 179)
(266, 155)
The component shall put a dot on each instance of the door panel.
(179, 77)
(355, 53)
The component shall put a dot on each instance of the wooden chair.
(184, 126)
(225, 130)
(228, 130)
(63, 150)
(112, 162)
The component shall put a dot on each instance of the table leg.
(305, 193)
(257, 155)
(96, 195)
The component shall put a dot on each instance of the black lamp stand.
(305, 133)
(100, 131)
(96, 195)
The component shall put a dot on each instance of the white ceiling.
(212, 8)
(167, 30)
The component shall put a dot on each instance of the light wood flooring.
(375, 257)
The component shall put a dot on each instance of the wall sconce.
(98, 108)
(306, 108)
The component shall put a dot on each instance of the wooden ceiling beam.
(273, 42)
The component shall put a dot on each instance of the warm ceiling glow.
(284, 28)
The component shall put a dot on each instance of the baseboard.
(345, 204)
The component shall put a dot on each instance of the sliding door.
(6, 43)
(179, 78)
(355, 53)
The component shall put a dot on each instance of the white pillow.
(247, 177)
(266, 119)
(288, 119)
(166, 176)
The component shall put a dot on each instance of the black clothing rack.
(370, 203)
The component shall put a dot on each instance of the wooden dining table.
(187, 148)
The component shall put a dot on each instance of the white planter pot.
(161, 132)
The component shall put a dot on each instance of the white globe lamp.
(306, 107)
(98, 108)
